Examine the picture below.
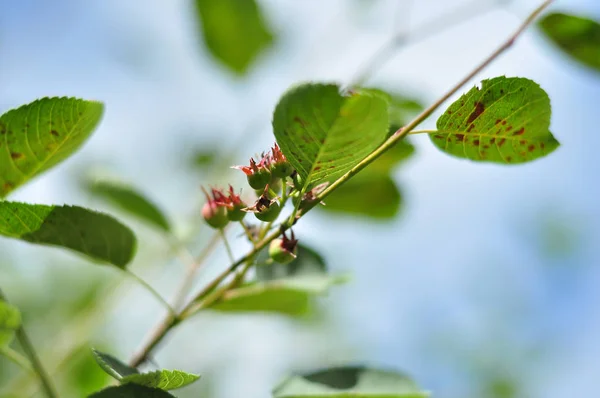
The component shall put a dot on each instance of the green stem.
(247, 231)
(17, 358)
(34, 360)
(227, 247)
(150, 290)
(193, 306)
(422, 132)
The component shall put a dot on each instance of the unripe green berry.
(298, 182)
(282, 170)
(259, 179)
(279, 253)
(236, 213)
(215, 216)
(270, 213)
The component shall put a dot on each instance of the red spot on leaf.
(476, 142)
(300, 121)
(317, 168)
(501, 142)
(479, 108)
(531, 148)
(459, 137)
(54, 133)
(504, 122)
(521, 131)
(498, 121)
(439, 137)
(508, 128)
(16, 155)
(492, 140)
(509, 159)
(471, 127)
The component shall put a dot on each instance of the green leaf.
(357, 382)
(506, 121)
(374, 196)
(113, 366)
(163, 379)
(10, 321)
(235, 32)
(400, 107)
(127, 199)
(578, 37)
(38, 136)
(131, 391)
(307, 262)
(324, 134)
(290, 296)
(96, 235)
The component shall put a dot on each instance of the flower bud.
(280, 167)
(214, 210)
(235, 206)
(258, 175)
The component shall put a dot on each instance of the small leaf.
(324, 134)
(344, 382)
(131, 391)
(506, 121)
(113, 366)
(10, 321)
(38, 136)
(96, 235)
(371, 195)
(289, 296)
(578, 37)
(307, 262)
(235, 32)
(130, 201)
(163, 379)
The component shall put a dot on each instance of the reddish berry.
(214, 210)
(283, 250)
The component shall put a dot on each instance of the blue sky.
(430, 288)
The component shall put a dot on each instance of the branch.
(195, 304)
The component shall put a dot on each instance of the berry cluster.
(268, 177)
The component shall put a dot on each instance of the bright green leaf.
(10, 320)
(504, 121)
(290, 296)
(113, 366)
(370, 195)
(37, 136)
(578, 37)
(235, 32)
(307, 262)
(96, 235)
(130, 201)
(324, 134)
(346, 382)
(131, 391)
(163, 379)
(400, 107)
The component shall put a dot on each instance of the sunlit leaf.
(235, 32)
(163, 379)
(37, 136)
(130, 201)
(506, 121)
(131, 391)
(289, 296)
(324, 134)
(578, 37)
(96, 235)
(113, 366)
(10, 320)
(346, 382)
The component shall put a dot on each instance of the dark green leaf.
(370, 195)
(290, 296)
(324, 134)
(37, 136)
(235, 32)
(130, 201)
(307, 262)
(96, 235)
(163, 379)
(10, 321)
(578, 37)
(113, 366)
(357, 382)
(506, 121)
(131, 391)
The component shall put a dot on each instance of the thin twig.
(194, 305)
(150, 290)
(17, 358)
(443, 22)
(36, 364)
(227, 247)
